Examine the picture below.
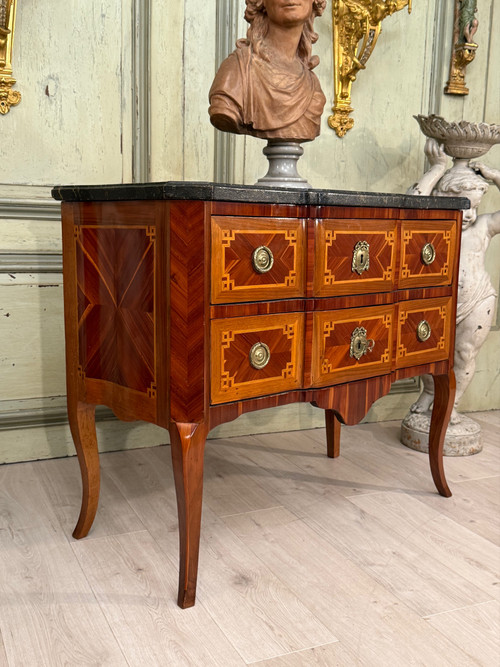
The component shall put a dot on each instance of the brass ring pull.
(360, 344)
(428, 254)
(423, 331)
(361, 257)
(262, 259)
(259, 355)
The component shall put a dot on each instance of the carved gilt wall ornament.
(356, 27)
(8, 97)
(464, 49)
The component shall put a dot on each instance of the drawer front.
(427, 253)
(351, 344)
(424, 330)
(354, 257)
(255, 356)
(255, 259)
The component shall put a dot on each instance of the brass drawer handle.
(428, 254)
(361, 257)
(262, 259)
(423, 331)
(360, 344)
(259, 355)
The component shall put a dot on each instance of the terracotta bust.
(266, 88)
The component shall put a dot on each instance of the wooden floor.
(304, 560)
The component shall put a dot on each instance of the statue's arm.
(438, 161)
(493, 223)
(493, 175)
(488, 173)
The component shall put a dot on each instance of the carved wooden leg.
(188, 444)
(444, 395)
(332, 434)
(82, 424)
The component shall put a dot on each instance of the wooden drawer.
(237, 343)
(427, 252)
(255, 259)
(354, 257)
(336, 354)
(424, 331)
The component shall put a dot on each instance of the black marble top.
(254, 194)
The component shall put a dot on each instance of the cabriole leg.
(444, 396)
(82, 424)
(188, 444)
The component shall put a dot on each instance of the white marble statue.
(476, 295)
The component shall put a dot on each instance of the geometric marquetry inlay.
(412, 347)
(340, 244)
(235, 275)
(332, 361)
(418, 267)
(115, 285)
(234, 376)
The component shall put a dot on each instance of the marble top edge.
(172, 190)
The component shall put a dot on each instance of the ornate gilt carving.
(464, 49)
(356, 27)
(8, 97)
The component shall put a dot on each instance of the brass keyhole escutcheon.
(361, 257)
(428, 254)
(423, 331)
(262, 259)
(259, 355)
(360, 344)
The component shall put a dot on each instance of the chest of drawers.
(187, 305)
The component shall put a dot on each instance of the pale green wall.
(110, 96)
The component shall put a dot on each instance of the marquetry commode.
(188, 304)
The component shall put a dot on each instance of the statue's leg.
(188, 445)
(82, 424)
(471, 333)
(444, 394)
(332, 434)
(424, 401)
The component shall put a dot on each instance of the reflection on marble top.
(250, 194)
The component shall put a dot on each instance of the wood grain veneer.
(163, 306)
(234, 241)
(334, 249)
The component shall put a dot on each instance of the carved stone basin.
(462, 139)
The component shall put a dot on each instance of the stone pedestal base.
(461, 439)
(283, 157)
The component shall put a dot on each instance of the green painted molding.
(30, 262)
(41, 413)
(141, 99)
(225, 35)
(51, 411)
(47, 210)
(39, 211)
(405, 386)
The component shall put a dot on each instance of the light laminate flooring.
(304, 560)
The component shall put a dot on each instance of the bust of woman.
(266, 88)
